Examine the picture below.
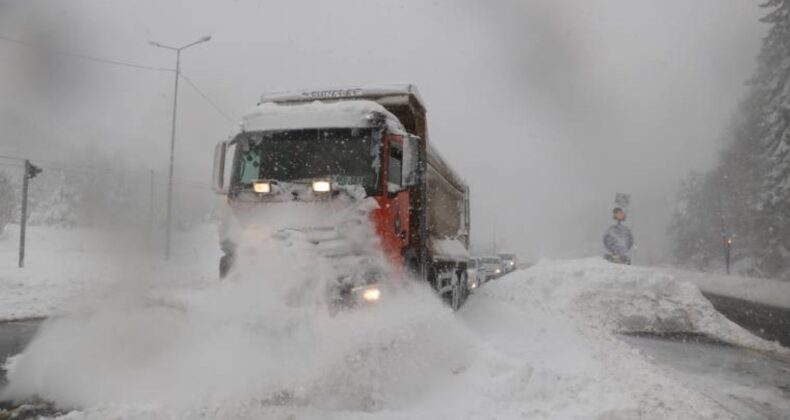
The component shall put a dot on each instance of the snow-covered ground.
(62, 264)
(140, 339)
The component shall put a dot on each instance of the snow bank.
(554, 328)
(604, 298)
(63, 264)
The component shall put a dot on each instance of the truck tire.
(463, 281)
(225, 263)
(457, 293)
(411, 265)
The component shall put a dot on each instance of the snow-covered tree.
(8, 201)
(772, 86)
(61, 210)
(748, 194)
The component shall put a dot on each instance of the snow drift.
(606, 298)
(263, 337)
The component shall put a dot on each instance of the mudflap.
(618, 259)
(450, 282)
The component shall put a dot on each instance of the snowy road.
(748, 384)
(14, 336)
(767, 321)
(745, 383)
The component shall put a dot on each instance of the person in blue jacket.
(618, 239)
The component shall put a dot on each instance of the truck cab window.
(394, 169)
(248, 168)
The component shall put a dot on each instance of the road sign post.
(30, 172)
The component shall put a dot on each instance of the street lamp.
(173, 137)
(727, 251)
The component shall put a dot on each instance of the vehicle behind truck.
(338, 148)
(509, 262)
(491, 267)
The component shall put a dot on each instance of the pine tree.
(772, 86)
(60, 211)
(747, 195)
(7, 201)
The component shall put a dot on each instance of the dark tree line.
(747, 195)
(84, 196)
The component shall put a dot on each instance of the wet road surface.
(769, 322)
(14, 336)
(748, 384)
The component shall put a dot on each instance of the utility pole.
(151, 203)
(30, 173)
(169, 227)
(495, 237)
(725, 233)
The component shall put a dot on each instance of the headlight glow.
(262, 187)
(371, 294)
(322, 186)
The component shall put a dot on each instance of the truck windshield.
(345, 155)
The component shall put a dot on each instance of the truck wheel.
(456, 293)
(225, 263)
(411, 267)
(464, 284)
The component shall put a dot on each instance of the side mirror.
(218, 174)
(411, 161)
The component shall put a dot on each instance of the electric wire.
(208, 99)
(86, 57)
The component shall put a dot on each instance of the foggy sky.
(547, 108)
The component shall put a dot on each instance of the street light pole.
(169, 227)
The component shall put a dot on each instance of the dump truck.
(349, 145)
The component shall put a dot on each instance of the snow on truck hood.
(343, 114)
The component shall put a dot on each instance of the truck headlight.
(262, 187)
(371, 294)
(322, 186)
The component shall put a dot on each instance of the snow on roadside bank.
(603, 298)
(63, 264)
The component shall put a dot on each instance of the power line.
(11, 165)
(87, 169)
(87, 57)
(68, 166)
(208, 99)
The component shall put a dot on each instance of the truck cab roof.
(383, 94)
(402, 100)
(356, 113)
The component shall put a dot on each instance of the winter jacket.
(618, 239)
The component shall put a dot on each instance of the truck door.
(398, 194)
(392, 220)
